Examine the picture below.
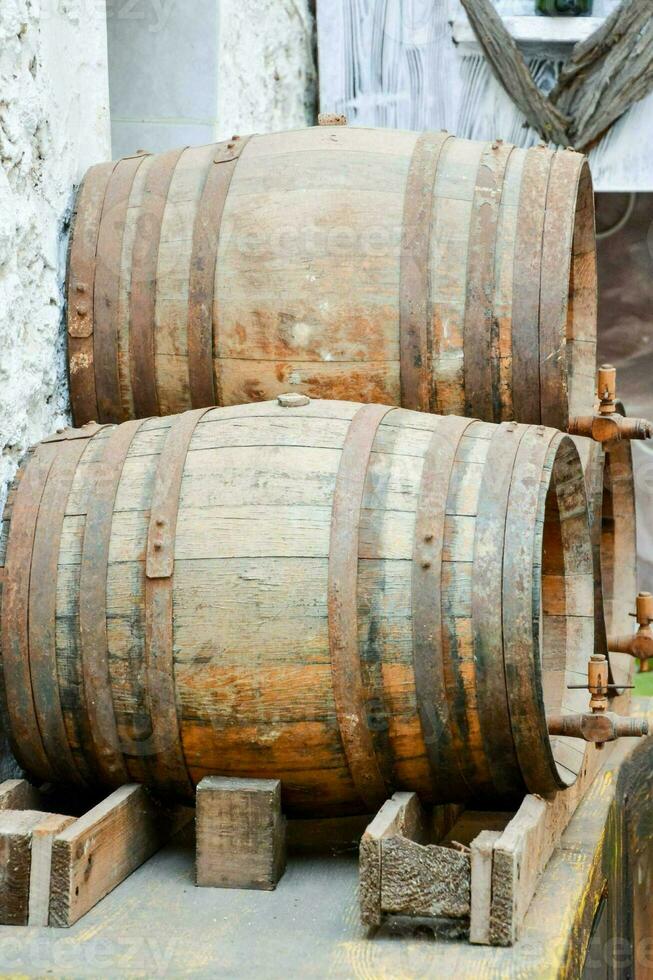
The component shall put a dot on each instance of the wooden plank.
(241, 833)
(424, 880)
(15, 858)
(19, 794)
(402, 814)
(40, 871)
(97, 852)
(525, 847)
(481, 897)
(17, 830)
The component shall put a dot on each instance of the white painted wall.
(186, 72)
(54, 123)
(393, 63)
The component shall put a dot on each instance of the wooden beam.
(39, 879)
(481, 902)
(528, 842)
(403, 815)
(98, 851)
(15, 855)
(17, 830)
(241, 833)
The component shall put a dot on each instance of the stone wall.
(54, 123)
(266, 75)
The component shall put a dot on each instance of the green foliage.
(644, 684)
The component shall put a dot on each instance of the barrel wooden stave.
(252, 665)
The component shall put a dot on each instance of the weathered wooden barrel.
(353, 599)
(419, 270)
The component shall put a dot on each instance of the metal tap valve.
(608, 424)
(598, 725)
(639, 644)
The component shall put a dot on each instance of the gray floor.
(158, 924)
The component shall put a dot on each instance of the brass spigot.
(608, 425)
(639, 644)
(599, 725)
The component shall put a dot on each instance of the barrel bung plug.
(639, 644)
(608, 425)
(598, 725)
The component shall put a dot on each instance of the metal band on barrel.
(521, 645)
(166, 761)
(487, 605)
(20, 714)
(428, 654)
(144, 282)
(350, 692)
(107, 289)
(43, 608)
(93, 602)
(81, 290)
(204, 257)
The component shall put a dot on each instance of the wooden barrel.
(419, 270)
(353, 599)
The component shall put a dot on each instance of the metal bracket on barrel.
(609, 425)
(598, 725)
(85, 432)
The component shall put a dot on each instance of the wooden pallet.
(55, 868)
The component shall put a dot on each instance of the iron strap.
(415, 273)
(43, 610)
(350, 692)
(166, 759)
(557, 251)
(23, 728)
(487, 604)
(428, 653)
(527, 272)
(92, 605)
(480, 328)
(521, 641)
(204, 257)
(107, 289)
(81, 290)
(144, 284)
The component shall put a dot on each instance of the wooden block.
(402, 814)
(241, 833)
(481, 899)
(18, 794)
(16, 830)
(98, 851)
(40, 872)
